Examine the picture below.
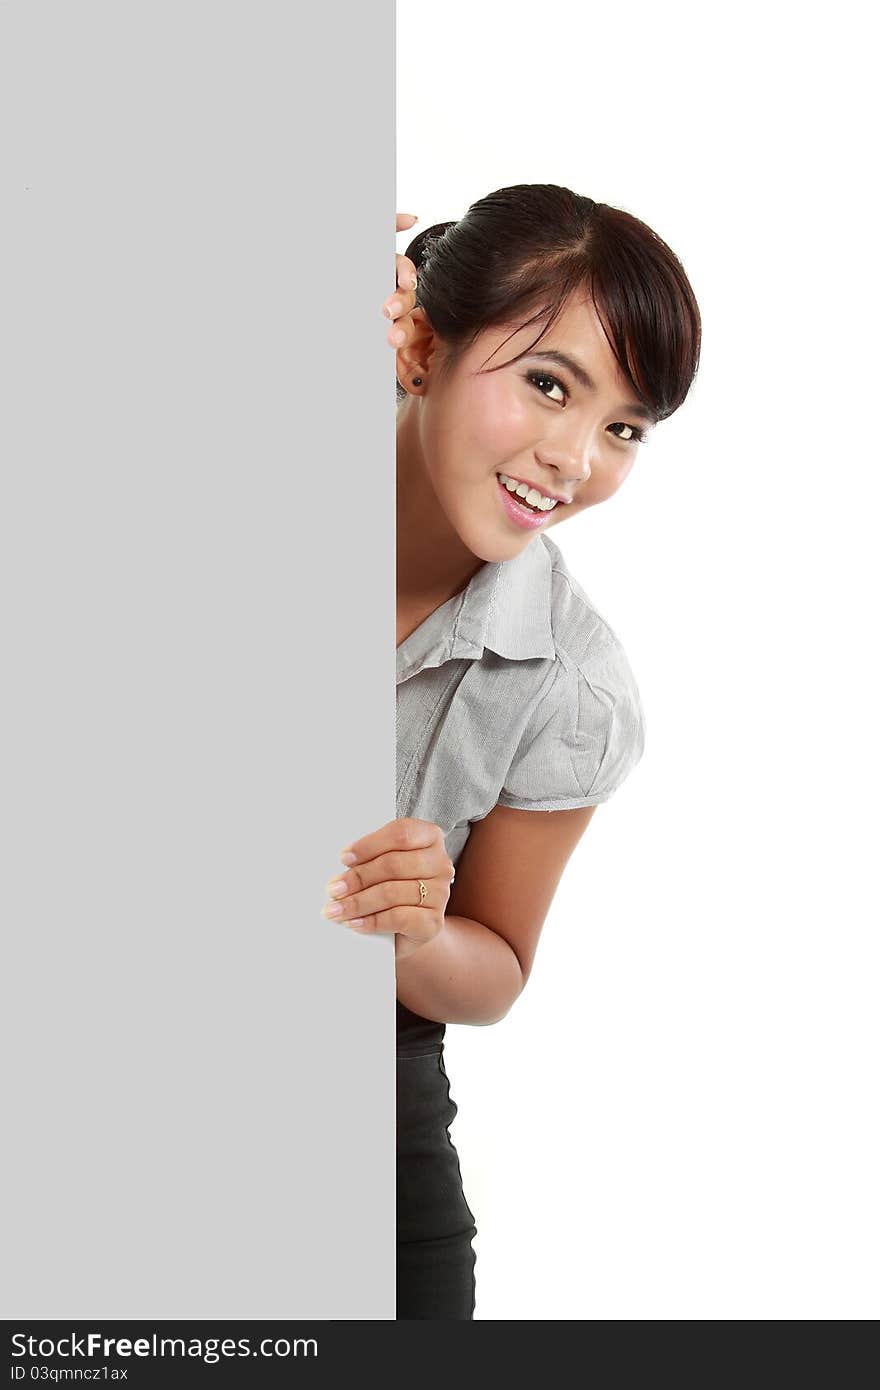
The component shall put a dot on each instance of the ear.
(414, 358)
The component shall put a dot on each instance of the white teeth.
(528, 494)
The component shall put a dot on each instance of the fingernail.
(356, 922)
(395, 308)
(338, 888)
(396, 336)
(347, 857)
(332, 909)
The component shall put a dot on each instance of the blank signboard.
(196, 540)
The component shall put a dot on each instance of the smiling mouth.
(528, 496)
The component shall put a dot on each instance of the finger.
(397, 866)
(382, 896)
(405, 220)
(407, 275)
(394, 867)
(405, 833)
(414, 923)
(400, 303)
(402, 332)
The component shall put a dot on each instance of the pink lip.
(523, 516)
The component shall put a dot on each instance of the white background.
(677, 1120)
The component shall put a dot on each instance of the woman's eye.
(630, 434)
(537, 377)
(633, 434)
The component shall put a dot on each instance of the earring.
(417, 381)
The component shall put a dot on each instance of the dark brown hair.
(519, 254)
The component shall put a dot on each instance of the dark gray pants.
(435, 1225)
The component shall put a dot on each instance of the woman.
(546, 336)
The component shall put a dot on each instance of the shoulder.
(586, 643)
(586, 730)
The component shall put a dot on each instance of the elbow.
(518, 984)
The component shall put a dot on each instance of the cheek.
(625, 469)
(496, 420)
(605, 479)
(612, 476)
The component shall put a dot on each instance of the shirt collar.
(504, 609)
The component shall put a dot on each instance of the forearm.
(467, 973)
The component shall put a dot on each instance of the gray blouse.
(515, 691)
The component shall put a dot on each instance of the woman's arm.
(479, 962)
(465, 974)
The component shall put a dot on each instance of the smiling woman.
(534, 276)
(517, 710)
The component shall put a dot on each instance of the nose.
(571, 465)
(569, 451)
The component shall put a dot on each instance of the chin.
(486, 536)
(487, 545)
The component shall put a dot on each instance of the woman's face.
(570, 430)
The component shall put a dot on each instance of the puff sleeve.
(585, 735)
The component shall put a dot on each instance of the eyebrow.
(582, 376)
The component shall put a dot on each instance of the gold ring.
(423, 892)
